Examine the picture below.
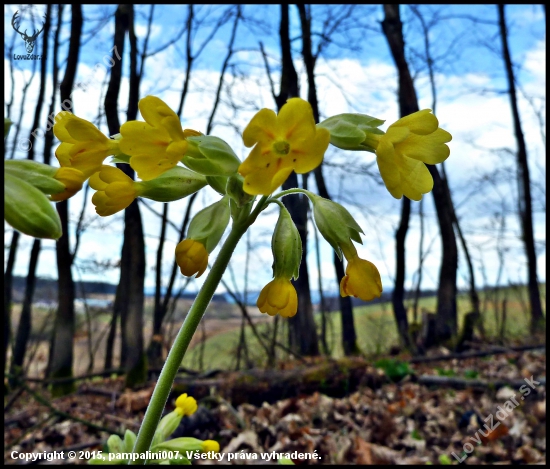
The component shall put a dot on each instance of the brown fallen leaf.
(371, 454)
(134, 401)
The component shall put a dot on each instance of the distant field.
(375, 327)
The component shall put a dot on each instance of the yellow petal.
(60, 129)
(291, 308)
(89, 162)
(310, 160)
(172, 125)
(148, 167)
(362, 280)
(110, 174)
(387, 165)
(99, 199)
(430, 149)
(415, 178)
(420, 122)
(264, 181)
(96, 182)
(261, 128)
(278, 294)
(154, 110)
(396, 134)
(82, 130)
(295, 120)
(139, 138)
(63, 154)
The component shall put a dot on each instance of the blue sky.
(354, 74)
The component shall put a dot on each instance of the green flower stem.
(293, 191)
(185, 334)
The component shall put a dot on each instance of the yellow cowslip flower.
(210, 445)
(192, 257)
(156, 145)
(83, 146)
(185, 405)
(278, 297)
(115, 190)
(282, 143)
(72, 179)
(362, 280)
(402, 151)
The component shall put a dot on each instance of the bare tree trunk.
(61, 361)
(474, 298)
(303, 333)
(129, 295)
(408, 103)
(24, 328)
(349, 337)
(154, 352)
(8, 281)
(524, 184)
(446, 319)
(25, 322)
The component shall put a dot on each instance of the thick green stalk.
(188, 328)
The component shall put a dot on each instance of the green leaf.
(395, 370)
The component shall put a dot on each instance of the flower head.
(282, 143)
(192, 257)
(185, 405)
(362, 279)
(278, 297)
(156, 145)
(115, 190)
(402, 151)
(83, 146)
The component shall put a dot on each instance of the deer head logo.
(29, 40)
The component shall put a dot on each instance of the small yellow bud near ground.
(210, 445)
(185, 405)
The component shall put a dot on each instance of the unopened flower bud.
(210, 156)
(335, 223)
(353, 131)
(209, 224)
(115, 445)
(286, 246)
(235, 190)
(28, 210)
(129, 441)
(39, 175)
(218, 183)
(174, 184)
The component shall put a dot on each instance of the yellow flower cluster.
(281, 143)
(152, 148)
